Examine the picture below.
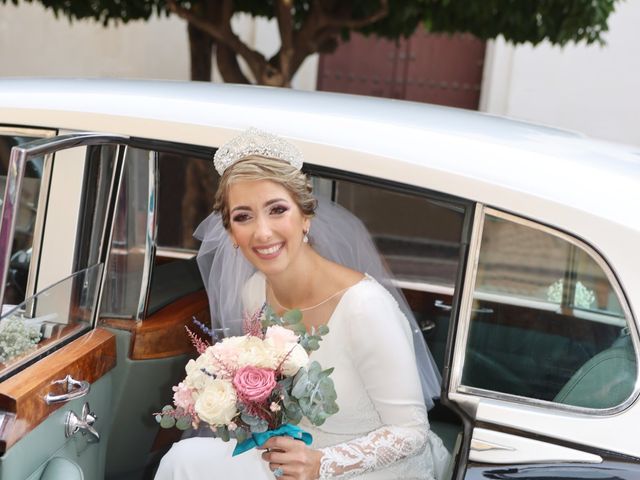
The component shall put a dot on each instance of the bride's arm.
(382, 350)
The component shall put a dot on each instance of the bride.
(270, 240)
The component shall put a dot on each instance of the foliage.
(311, 26)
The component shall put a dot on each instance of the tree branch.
(321, 27)
(223, 34)
(332, 21)
(284, 15)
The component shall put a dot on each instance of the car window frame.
(456, 386)
(36, 133)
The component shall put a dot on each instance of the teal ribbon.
(259, 439)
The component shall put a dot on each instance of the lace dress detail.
(379, 449)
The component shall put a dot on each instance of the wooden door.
(433, 68)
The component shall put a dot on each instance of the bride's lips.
(267, 252)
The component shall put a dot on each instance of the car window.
(185, 197)
(186, 188)
(546, 320)
(125, 268)
(60, 312)
(419, 239)
(28, 205)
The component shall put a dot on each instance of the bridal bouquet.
(255, 386)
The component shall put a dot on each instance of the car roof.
(442, 148)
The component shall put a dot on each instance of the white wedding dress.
(381, 430)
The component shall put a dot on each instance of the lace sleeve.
(378, 449)
(381, 349)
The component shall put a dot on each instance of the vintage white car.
(515, 244)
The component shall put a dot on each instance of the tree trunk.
(228, 66)
(201, 51)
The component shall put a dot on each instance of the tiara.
(256, 142)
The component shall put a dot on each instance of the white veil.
(337, 235)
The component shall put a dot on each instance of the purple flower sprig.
(206, 330)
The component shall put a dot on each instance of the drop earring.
(305, 239)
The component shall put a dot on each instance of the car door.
(545, 363)
(56, 380)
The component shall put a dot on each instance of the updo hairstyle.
(256, 168)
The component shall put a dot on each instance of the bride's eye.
(279, 209)
(240, 217)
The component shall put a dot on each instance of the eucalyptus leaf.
(292, 317)
(183, 423)
(167, 421)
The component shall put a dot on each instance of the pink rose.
(280, 336)
(254, 384)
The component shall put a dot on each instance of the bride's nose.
(263, 229)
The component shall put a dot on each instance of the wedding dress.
(381, 430)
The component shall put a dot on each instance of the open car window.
(547, 320)
(53, 316)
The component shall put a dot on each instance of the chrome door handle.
(75, 389)
(442, 306)
(73, 424)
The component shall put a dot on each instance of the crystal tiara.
(256, 142)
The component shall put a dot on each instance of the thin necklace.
(273, 294)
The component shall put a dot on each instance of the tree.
(316, 26)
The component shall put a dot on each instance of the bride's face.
(266, 224)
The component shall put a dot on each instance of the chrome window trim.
(466, 300)
(114, 198)
(38, 237)
(150, 238)
(19, 154)
(42, 201)
(465, 320)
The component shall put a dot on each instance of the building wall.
(34, 43)
(591, 89)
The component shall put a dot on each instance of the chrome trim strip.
(150, 238)
(114, 199)
(175, 252)
(15, 172)
(484, 446)
(423, 287)
(460, 351)
(38, 231)
(466, 300)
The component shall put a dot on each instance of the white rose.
(196, 378)
(257, 353)
(216, 405)
(296, 359)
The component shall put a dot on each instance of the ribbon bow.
(259, 439)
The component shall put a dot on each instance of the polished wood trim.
(87, 358)
(163, 334)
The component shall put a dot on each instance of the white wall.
(592, 89)
(34, 43)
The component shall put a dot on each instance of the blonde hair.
(255, 168)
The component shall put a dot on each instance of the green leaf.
(323, 330)
(167, 421)
(183, 423)
(292, 317)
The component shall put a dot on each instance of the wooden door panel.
(22, 396)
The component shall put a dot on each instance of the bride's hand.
(293, 457)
